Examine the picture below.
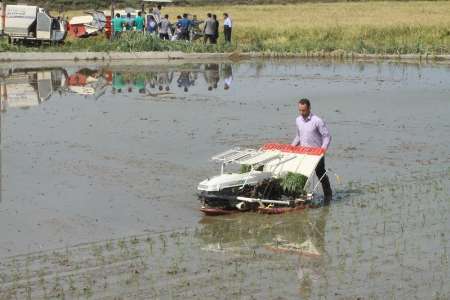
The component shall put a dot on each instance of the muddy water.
(100, 163)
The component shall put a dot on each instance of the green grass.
(359, 39)
(364, 39)
(128, 42)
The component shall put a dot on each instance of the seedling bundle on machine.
(276, 178)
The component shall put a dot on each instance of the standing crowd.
(184, 28)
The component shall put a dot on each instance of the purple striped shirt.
(311, 132)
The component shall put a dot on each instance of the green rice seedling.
(122, 244)
(71, 283)
(109, 245)
(57, 289)
(245, 169)
(135, 253)
(88, 292)
(150, 243)
(41, 280)
(163, 243)
(293, 184)
(28, 292)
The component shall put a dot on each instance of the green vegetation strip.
(432, 40)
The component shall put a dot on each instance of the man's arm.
(326, 137)
(296, 140)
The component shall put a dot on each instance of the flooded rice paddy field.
(100, 163)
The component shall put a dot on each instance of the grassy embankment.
(365, 27)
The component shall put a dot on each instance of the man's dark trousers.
(320, 171)
(164, 36)
(227, 33)
(209, 37)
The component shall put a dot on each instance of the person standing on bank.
(157, 13)
(209, 29)
(216, 30)
(129, 22)
(139, 22)
(313, 132)
(164, 28)
(117, 26)
(152, 26)
(185, 25)
(227, 25)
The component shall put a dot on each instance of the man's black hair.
(305, 101)
(209, 15)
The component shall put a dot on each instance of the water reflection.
(30, 87)
(300, 234)
(212, 75)
(228, 76)
(89, 82)
(24, 88)
(186, 79)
